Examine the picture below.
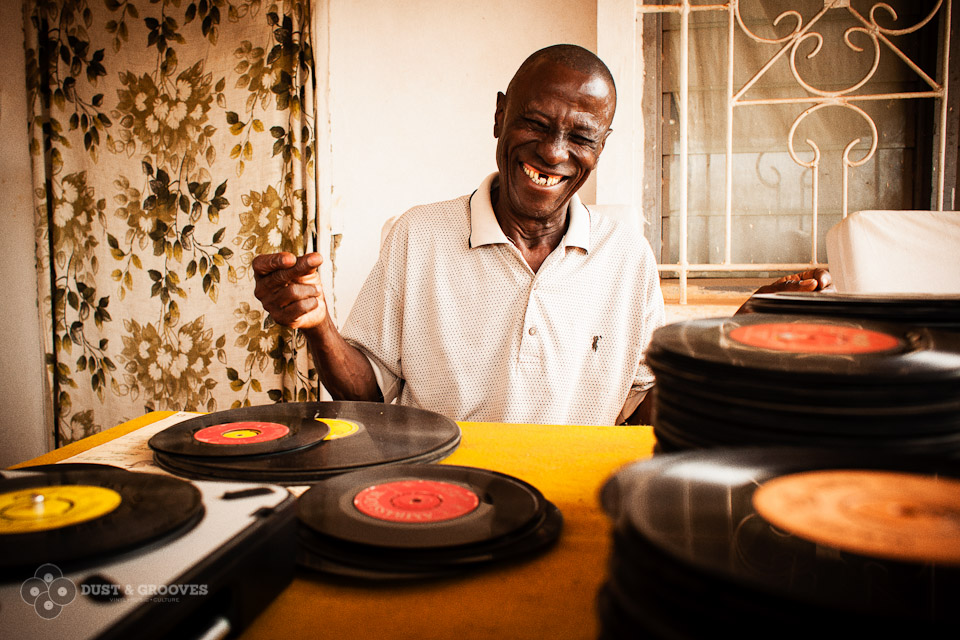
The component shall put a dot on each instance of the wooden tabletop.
(548, 596)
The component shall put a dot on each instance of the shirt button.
(532, 331)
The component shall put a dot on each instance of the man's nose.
(553, 149)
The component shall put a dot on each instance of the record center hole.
(242, 433)
(37, 507)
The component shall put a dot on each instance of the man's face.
(550, 130)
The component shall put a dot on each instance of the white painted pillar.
(620, 172)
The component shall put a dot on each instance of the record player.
(227, 551)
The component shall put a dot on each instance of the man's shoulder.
(437, 219)
(622, 236)
(436, 212)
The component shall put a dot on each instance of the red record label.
(242, 433)
(416, 501)
(807, 337)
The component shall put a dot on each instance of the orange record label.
(416, 501)
(339, 428)
(241, 433)
(881, 514)
(53, 507)
(811, 337)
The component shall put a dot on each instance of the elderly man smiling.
(513, 304)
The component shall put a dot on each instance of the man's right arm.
(290, 290)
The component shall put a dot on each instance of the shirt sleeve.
(652, 318)
(375, 323)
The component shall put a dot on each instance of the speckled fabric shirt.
(454, 320)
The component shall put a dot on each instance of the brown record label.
(44, 508)
(416, 501)
(815, 338)
(883, 514)
(241, 433)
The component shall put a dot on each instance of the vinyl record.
(841, 540)
(769, 348)
(419, 506)
(247, 431)
(330, 555)
(421, 521)
(942, 312)
(69, 516)
(69, 466)
(376, 434)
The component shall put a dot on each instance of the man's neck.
(536, 239)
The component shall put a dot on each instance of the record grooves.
(353, 436)
(507, 518)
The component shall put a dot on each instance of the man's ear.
(603, 141)
(498, 114)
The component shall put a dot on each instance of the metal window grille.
(875, 24)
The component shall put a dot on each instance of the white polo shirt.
(454, 320)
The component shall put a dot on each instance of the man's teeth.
(541, 179)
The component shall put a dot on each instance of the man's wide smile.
(540, 178)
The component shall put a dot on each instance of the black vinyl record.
(419, 506)
(771, 347)
(825, 539)
(75, 515)
(329, 555)
(367, 434)
(923, 310)
(247, 431)
(806, 381)
(419, 521)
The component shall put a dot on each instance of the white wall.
(413, 88)
(22, 430)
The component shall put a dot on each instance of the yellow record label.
(339, 428)
(881, 514)
(45, 508)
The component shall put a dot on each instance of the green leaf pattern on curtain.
(172, 141)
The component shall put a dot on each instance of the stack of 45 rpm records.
(421, 521)
(783, 542)
(806, 380)
(303, 442)
(939, 312)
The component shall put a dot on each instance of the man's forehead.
(544, 86)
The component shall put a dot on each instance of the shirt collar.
(484, 228)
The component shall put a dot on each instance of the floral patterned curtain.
(172, 141)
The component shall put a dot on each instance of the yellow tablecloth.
(549, 596)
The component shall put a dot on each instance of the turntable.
(93, 551)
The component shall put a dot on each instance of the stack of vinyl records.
(303, 442)
(773, 542)
(806, 380)
(421, 521)
(940, 312)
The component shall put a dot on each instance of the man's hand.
(811, 280)
(290, 289)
